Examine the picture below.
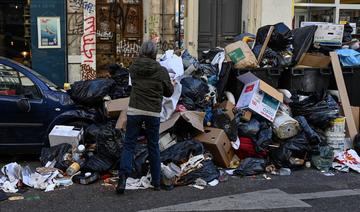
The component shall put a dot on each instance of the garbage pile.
(229, 114)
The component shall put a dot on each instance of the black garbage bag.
(280, 38)
(313, 137)
(249, 129)
(251, 166)
(224, 76)
(59, 153)
(222, 120)
(141, 161)
(207, 172)
(189, 60)
(347, 37)
(180, 152)
(98, 163)
(91, 92)
(108, 139)
(209, 55)
(264, 138)
(356, 143)
(121, 77)
(193, 93)
(303, 40)
(318, 109)
(208, 69)
(296, 147)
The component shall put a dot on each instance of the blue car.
(30, 106)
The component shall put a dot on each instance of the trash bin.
(269, 75)
(352, 81)
(305, 79)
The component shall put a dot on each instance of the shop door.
(219, 23)
(119, 32)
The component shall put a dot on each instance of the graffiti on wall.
(75, 24)
(131, 1)
(88, 41)
(128, 48)
(105, 31)
(74, 5)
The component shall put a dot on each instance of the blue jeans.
(133, 127)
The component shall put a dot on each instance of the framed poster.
(48, 32)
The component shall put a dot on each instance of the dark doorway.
(219, 23)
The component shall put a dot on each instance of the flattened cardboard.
(227, 108)
(314, 61)
(114, 107)
(216, 141)
(345, 103)
(195, 118)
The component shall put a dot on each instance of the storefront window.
(314, 14)
(353, 17)
(350, 1)
(15, 31)
(316, 1)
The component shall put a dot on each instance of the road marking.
(327, 194)
(266, 199)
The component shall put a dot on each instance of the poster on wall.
(48, 32)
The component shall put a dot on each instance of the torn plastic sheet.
(173, 64)
(348, 158)
(169, 104)
(142, 183)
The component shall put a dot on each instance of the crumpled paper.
(12, 173)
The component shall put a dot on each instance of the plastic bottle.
(78, 153)
(73, 169)
(284, 171)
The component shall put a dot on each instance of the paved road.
(304, 190)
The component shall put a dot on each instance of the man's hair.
(148, 49)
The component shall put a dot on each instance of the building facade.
(70, 40)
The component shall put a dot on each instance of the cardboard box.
(327, 34)
(259, 97)
(196, 119)
(241, 55)
(227, 107)
(114, 107)
(314, 61)
(216, 141)
(65, 134)
(166, 141)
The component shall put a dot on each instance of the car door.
(22, 109)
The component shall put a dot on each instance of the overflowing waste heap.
(260, 105)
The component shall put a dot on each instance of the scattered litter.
(16, 198)
(214, 182)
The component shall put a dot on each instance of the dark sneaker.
(120, 188)
(157, 188)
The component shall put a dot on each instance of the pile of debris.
(227, 112)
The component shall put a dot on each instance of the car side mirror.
(24, 105)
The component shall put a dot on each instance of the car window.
(14, 83)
